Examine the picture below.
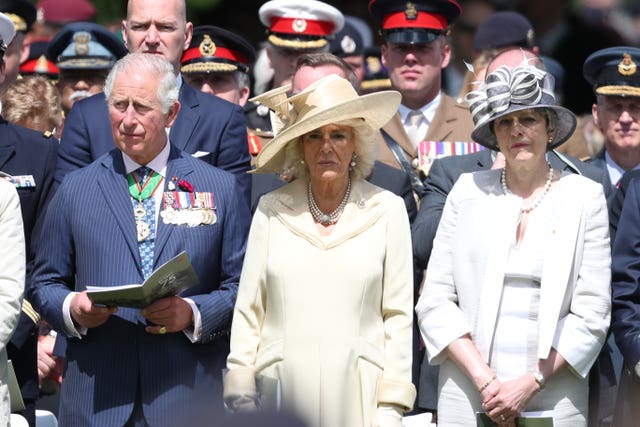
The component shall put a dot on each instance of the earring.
(550, 140)
(352, 165)
(302, 161)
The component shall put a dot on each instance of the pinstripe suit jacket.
(90, 239)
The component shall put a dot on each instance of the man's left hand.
(171, 314)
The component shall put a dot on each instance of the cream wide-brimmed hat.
(331, 99)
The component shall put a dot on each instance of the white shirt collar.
(428, 110)
(158, 164)
(615, 171)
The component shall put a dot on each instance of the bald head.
(514, 57)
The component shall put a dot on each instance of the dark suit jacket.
(91, 240)
(616, 201)
(27, 152)
(205, 124)
(625, 292)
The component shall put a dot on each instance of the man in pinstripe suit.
(160, 365)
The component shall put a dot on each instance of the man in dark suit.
(161, 365)
(207, 127)
(29, 159)
(625, 292)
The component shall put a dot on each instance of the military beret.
(61, 12)
(503, 29)
(37, 62)
(300, 25)
(614, 71)
(214, 49)
(21, 12)
(418, 21)
(347, 42)
(85, 45)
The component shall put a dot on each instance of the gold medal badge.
(627, 67)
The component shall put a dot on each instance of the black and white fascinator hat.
(507, 90)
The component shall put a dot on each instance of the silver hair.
(242, 79)
(152, 66)
(366, 150)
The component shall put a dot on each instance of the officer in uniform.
(217, 62)
(84, 53)
(294, 27)
(615, 78)
(348, 45)
(22, 14)
(415, 51)
(27, 159)
(376, 76)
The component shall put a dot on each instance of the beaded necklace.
(321, 217)
(538, 200)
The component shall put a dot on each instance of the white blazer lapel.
(558, 262)
(504, 222)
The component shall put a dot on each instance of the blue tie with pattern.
(145, 214)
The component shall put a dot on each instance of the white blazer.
(466, 271)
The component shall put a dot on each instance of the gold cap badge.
(207, 46)
(411, 13)
(627, 67)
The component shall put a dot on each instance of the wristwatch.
(537, 375)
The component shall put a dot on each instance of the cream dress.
(328, 317)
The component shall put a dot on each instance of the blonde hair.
(33, 102)
(366, 150)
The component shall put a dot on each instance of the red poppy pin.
(185, 185)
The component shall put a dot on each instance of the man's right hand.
(85, 313)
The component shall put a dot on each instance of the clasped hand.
(503, 401)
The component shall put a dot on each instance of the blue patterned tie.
(149, 205)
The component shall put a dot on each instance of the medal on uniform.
(188, 208)
(140, 193)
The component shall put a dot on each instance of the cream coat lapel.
(362, 210)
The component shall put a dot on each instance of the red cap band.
(423, 20)
(221, 52)
(301, 26)
(35, 66)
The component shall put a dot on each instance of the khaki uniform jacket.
(452, 122)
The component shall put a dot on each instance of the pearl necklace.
(538, 200)
(321, 217)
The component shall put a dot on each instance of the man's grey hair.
(242, 79)
(152, 67)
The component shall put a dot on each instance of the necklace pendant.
(325, 219)
(142, 230)
(139, 212)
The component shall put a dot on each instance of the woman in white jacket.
(516, 303)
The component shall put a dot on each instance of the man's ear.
(172, 114)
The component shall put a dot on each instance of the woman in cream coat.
(517, 295)
(12, 274)
(324, 304)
